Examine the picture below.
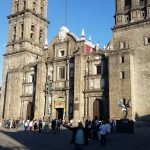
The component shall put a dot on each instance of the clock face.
(62, 35)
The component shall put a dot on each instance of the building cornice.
(130, 24)
(21, 51)
(30, 11)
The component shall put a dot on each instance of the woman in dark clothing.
(79, 137)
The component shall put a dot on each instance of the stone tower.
(129, 72)
(27, 33)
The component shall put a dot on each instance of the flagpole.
(66, 11)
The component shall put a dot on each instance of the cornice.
(29, 11)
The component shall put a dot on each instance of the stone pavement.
(11, 139)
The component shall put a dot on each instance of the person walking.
(58, 124)
(53, 125)
(30, 125)
(35, 125)
(26, 125)
(102, 132)
(79, 137)
(40, 125)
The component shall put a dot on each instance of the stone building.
(27, 33)
(67, 79)
(75, 82)
(129, 63)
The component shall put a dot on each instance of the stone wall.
(138, 67)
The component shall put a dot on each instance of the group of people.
(34, 125)
(93, 130)
(9, 123)
(82, 134)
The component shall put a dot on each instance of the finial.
(83, 35)
(90, 38)
(108, 47)
(104, 47)
(97, 46)
(46, 44)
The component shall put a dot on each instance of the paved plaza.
(10, 139)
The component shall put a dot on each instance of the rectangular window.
(32, 78)
(17, 7)
(98, 69)
(122, 45)
(143, 14)
(122, 59)
(61, 53)
(147, 40)
(22, 30)
(24, 4)
(127, 18)
(142, 2)
(34, 6)
(119, 18)
(14, 34)
(122, 75)
(134, 14)
(127, 2)
(42, 10)
(62, 72)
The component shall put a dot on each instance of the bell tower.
(130, 58)
(27, 34)
(28, 26)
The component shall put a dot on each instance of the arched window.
(142, 2)
(43, 4)
(127, 2)
(16, 6)
(42, 10)
(22, 30)
(24, 4)
(34, 6)
(14, 33)
(40, 35)
(32, 32)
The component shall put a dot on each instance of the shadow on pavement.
(20, 140)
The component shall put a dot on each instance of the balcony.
(61, 85)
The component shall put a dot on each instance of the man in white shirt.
(102, 132)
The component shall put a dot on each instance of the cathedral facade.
(71, 78)
(67, 79)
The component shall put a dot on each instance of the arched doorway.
(29, 115)
(97, 109)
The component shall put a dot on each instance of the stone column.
(25, 104)
(88, 107)
(67, 91)
(40, 86)
(85, 107)
(66, 106)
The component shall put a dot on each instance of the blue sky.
(95, 16)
